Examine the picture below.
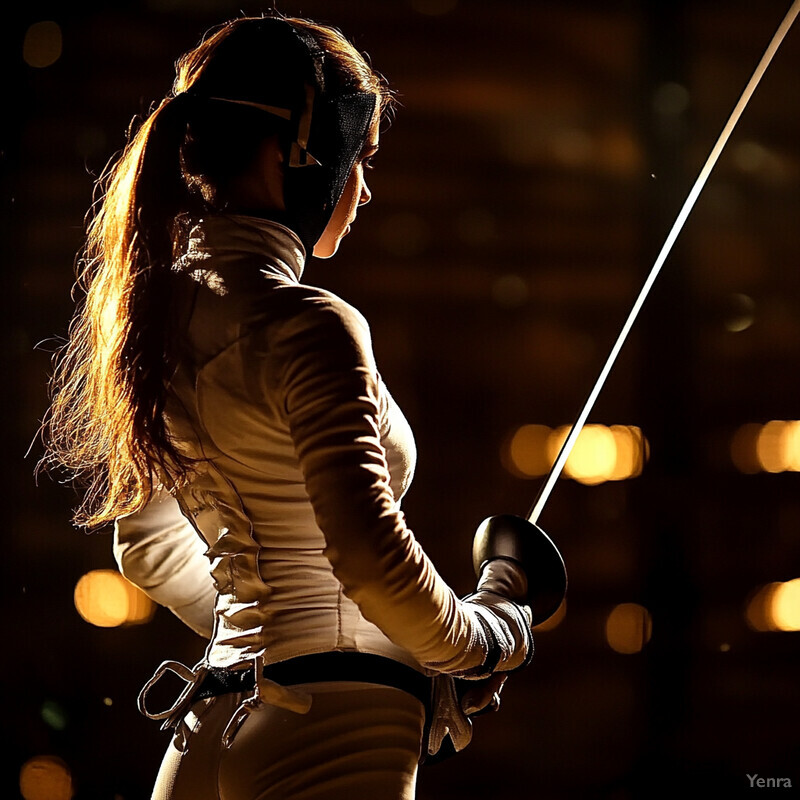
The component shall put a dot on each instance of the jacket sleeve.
(331, 396)
(159, 551)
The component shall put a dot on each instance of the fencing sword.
(520, 539)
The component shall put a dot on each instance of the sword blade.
(558, 466)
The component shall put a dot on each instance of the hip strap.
(319, 668)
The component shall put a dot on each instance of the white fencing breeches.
(357, 741)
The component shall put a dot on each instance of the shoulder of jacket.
(311, 306)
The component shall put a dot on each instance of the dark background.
(542, 146)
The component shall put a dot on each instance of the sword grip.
(520, 541)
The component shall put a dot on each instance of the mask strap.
(299, 155)
(283, 113)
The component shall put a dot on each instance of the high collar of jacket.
(229, 237)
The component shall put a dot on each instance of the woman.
(232, 421)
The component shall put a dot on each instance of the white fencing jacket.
(291, 525)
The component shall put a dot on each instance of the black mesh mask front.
(339, 129)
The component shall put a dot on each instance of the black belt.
(319, 668)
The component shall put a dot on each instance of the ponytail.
(105, 425)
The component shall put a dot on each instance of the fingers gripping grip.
(516, 539)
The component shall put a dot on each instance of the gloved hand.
(505, 577)
(454, 702)
(481, 697)
(507, 624)
(521, 581)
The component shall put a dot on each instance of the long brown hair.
(105, 426)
